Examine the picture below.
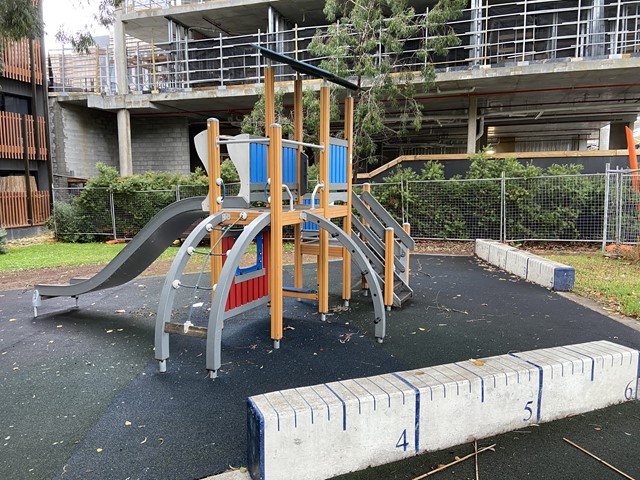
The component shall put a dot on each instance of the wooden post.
(365, 188)
(215, 191)
(388, 266)
(27, 173)
(298, 125)
(407, 228)
(274, 157)
(323, 257)
(346, 255)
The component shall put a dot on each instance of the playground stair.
(371, 223)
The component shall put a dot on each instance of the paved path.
(81, 397)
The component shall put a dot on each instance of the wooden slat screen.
(13, 209)
(17, 64)
(11, 136)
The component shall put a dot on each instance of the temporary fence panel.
(551, 208)
(622, 210)
(454, 209)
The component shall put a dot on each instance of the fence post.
(113, 216)
(605, 220)
(503, 208)
(177, 193)
(619, 209)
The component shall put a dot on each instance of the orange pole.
(323, 257)
(346, 255)
(388, 267)
(297, 136)
(365, 188)
(274, 157)
(633, 158)
(407, 228)
(215, 191)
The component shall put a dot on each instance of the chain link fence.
(573, 208)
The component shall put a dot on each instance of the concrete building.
(534, 79)
(25, 168)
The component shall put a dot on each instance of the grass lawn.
(613, 282)
(59, 254)
(55, 254)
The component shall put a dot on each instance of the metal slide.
(146, 246)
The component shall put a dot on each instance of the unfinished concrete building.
(539, 80)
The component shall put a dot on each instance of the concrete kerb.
(536, 269)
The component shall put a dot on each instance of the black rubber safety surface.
(81, 396)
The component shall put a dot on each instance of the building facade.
(25, 169)
(535, 77)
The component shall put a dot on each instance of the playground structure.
(272, 171)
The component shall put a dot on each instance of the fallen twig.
(597, 458)
(475, 447)
(443, 467)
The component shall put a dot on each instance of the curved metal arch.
(221, 291)
(216, 316)
(168, 293)
(362, 262)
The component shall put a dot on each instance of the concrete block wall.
(534, 268)
(160, 144)
(80, 138)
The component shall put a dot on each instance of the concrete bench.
(321, 431)
(536, 269)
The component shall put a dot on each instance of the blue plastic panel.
(337, 164)
(257, 163)
(289, 170)
(310, 225)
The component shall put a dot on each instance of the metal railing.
(499, 34)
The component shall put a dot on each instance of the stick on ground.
(598, 459)
(439, 469)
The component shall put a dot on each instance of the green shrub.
(136, 199)
(3, 241)
(535, 207)
(69, 223)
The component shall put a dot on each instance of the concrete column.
(124, 143)
(120, 54)
(472, 126)
(618, 135)
(603, 137)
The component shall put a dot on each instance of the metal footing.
(276, 344)
(162, 366)
(213, 374)
(323, 317)
(388, 308)
(345, 303)
(379, 340)
(365, 293)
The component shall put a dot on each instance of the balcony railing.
(17, 63)
(494, 35)
(11, 137)
(14, 212)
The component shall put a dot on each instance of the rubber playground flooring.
(81, 396)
